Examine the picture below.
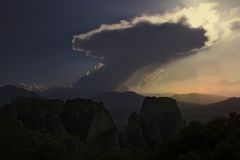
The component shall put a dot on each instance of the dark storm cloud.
(35, 35)
(126, 50)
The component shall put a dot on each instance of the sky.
(36, 37)
(147, 46)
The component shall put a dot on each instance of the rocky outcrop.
(12, 132)
(134, 132)
(90, 121)
(102, 130)
(55, 126)
(79, 117)
(160, 118)
(39, 114)
(8, 112)
(78, 114)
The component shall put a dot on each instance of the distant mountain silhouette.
(232, 103)
(9, 91)
(198, 98)
(204, 113)
(192, 111)
(225, 107)
(201, 107)
(193, 106)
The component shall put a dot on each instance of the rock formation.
(12, 132)
(134, 131)
(160, 118)
(78, 117)
(102, 130)
(90, 121)
(78, 114)
(38, 114)
(54, 125)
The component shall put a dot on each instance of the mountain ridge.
(9, 91)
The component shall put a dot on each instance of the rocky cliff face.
(79, 117)
(37, 114)
(134, 131)
(102, 130)
(159, 118)
(90, 121)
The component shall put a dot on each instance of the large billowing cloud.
(211, 71)
(132, 45)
